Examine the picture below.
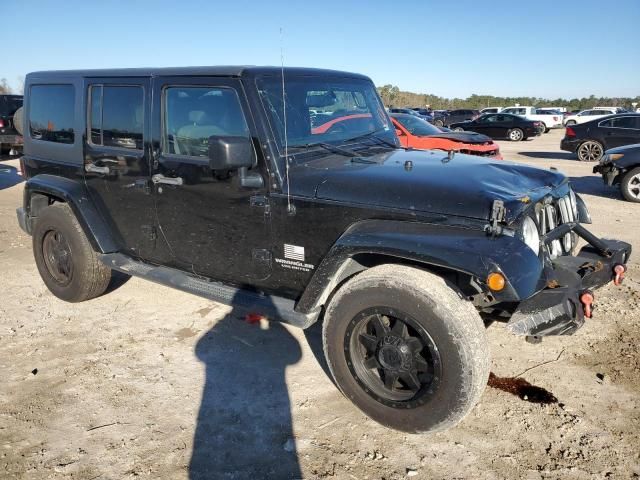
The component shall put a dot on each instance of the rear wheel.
(406, 349)
(458, 129)
(438, 123)
(515, 135)
(65, 259)
(590, 151)
(630, 185)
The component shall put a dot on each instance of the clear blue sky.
(543, 48)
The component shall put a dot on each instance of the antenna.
(284, 115)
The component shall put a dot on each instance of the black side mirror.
(231, 153)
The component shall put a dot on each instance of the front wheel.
(406, 348)
(438, 123)
(515, 135)
(630, 185)
(64, 257)
(590, 151)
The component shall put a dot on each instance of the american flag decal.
(294, 252)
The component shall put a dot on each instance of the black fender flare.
(467, 250)
(74, 193)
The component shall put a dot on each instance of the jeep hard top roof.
(212, 71)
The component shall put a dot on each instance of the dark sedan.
(501, 125)
(590, 139)
(621, 166)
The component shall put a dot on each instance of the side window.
(193, 114)
(490, 119)
(623, 122)
(51, 113)
(116, 116)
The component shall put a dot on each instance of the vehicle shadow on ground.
(593, 185)
(550, 155)
(244, 427)
(9, 176)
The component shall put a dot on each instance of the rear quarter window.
(51, 113)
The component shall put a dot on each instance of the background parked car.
(10, 138)
(407, 111)
(501, 125)
(417, 133)
(548, 120)
(588, 115)
(460, 115)
(491, 110)
(621, 166)
(589, 140)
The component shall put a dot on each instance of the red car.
(414, 132)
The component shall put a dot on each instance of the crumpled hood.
(425, 181)
(464, 137)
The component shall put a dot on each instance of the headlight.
(530, 235)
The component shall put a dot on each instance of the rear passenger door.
(116, 160)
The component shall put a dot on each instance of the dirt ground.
(150, 382)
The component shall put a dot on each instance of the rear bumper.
(558, 309)
(569, 144)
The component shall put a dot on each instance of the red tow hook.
(619, 270)
(253, 318)
(587, 303)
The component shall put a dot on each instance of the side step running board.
(272, 307)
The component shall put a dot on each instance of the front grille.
(551, 216)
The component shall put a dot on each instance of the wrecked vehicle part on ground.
(206, 180)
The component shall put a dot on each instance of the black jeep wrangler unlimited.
(286, 194)
(10, 136)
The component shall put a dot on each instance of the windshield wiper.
(332, 148)
(373, 135)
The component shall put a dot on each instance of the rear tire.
(515, 134)
(406, 348)
(65, 259)
(438, 123)
(630, 185)
(590, 151)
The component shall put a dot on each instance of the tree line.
(392, 96)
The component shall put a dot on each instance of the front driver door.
(212, 225)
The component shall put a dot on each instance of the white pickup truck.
(548, 120)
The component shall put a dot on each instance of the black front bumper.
(557, 310)
(610, 173)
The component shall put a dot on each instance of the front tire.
(438, 123)
(515, 135)
(65, 259)
(406, 348)
(630, 185)
(590, 151)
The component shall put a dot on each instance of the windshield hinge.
(498, 215)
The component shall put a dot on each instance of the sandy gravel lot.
(150, 382)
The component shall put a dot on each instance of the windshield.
(416, 125)
(324, 110)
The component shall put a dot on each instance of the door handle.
(90, 167)
(159, 178)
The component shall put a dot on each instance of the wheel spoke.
(421, 364)
(369, 342)
(371, 363)
(390, 379)
(399, 329)
(414, 344)
(411, 379)
(378, 325)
